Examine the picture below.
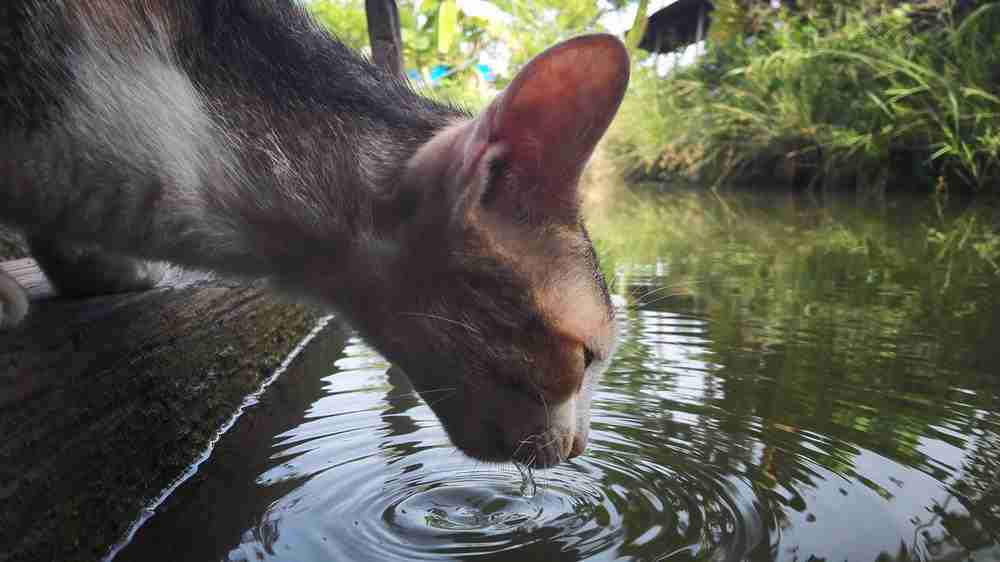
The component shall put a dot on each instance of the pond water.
(795, 381)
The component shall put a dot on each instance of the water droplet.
(528, 485)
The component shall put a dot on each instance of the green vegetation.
(840, 101)
(440, 34)
(868, 94)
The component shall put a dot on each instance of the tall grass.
(879, 100)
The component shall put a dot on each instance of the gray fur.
(235, 136)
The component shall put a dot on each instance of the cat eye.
(588, 358)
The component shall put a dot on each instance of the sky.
(617, 22)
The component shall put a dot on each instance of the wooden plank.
(104, 401)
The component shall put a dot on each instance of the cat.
(239, 137)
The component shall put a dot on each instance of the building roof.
(675, 26)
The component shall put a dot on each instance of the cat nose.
(577, 445)
(565, 442)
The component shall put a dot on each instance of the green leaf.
(447, 25)
(978, 93)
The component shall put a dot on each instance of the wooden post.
(384, 35)
(700, 33)
(634, 36)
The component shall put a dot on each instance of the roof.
(675, 26)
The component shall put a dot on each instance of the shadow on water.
(794, 382)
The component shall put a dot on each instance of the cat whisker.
(440, 399)
(676, 288)
(662, 298)
(652, 291)
(555, 437)
(423, 392)
(520, 444)
(545, 406)
(529, 440)
(468, 327)
(644, 298)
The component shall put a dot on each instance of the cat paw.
(13, 302)
(78, 271)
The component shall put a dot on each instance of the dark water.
(794, 382)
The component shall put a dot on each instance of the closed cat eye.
(588, 358)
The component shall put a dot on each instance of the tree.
(345, 19)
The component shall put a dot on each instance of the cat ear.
(538, 134)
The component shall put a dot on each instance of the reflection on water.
(793, 383)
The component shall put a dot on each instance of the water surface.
(795, 381)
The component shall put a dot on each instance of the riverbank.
(883, 101)
(105, 401)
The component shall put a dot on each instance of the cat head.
(500, 316)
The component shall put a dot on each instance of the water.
(794, 382)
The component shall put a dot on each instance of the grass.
(879, 102)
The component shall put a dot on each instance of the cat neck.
(312, 196)
(310, 159)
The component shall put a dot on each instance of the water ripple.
(699, 451)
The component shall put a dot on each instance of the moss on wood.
(104, 402)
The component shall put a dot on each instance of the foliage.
(537, 25)
(344, 18)
(735, 19)
(435, 33)
(440, 32)
(438, 35)
(871, 99)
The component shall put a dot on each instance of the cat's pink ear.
(545, 124)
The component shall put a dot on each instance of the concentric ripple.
(367, 473)
(699, 451)
(377, 479)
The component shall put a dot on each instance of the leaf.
(977, 93)
(447, 25)
(941, 152)
(885, 109)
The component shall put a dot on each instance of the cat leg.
(81, 271)
(13, 302)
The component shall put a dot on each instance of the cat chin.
(514, 426)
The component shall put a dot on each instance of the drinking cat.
(237, 136)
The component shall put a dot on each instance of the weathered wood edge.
(105, 401)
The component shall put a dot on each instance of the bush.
(879, 97)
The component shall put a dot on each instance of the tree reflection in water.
(819, 352)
